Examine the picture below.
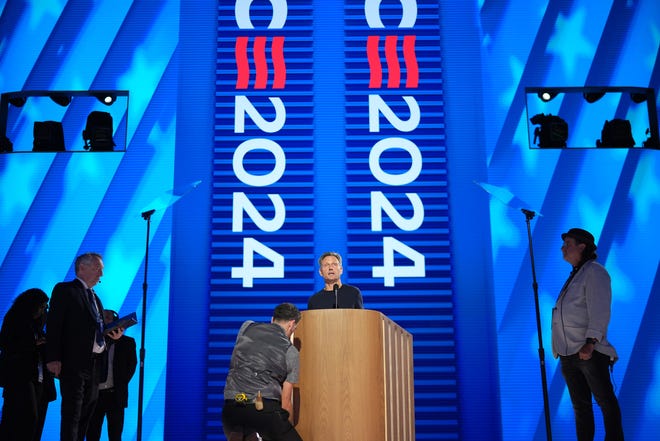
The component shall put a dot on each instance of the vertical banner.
(398, 208)
(262, 207)
(271, 206)
(263, 155)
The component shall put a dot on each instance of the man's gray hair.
(87, 259)
(328, 254)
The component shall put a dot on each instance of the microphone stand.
(529, 215)
(146, 216)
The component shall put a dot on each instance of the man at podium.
(334, 294)
(259, 388)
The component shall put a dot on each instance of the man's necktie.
(99, 320)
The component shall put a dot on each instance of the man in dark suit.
(113, 389)
(76, 346)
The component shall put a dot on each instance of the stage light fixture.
(106, 98)
(547, 95)
(616, 133)
(6, 146)
(638, 98)
(98, 132)
(48, 136)
(18, 101)
(551, 131)
(62, 100)
(592, 97)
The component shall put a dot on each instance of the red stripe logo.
(393, 62)
(260, 53)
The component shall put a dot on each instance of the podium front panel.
(355, 377)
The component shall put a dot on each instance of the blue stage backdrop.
(329, 137)
(266, 132)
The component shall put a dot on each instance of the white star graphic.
(569, 42)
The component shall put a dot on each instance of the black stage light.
(616, 133)
(638, 97)
(18, 101)
(62, 100)
(552, 131)
(98, 132)
(48, 136)
(6, 146)
(592, 97)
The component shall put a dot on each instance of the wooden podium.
(356, 377)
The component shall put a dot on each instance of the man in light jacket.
(579, 337)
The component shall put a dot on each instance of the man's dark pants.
(79, 392)
(272, 422)
(587, 377)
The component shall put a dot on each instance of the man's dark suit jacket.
(123, 368)
(71, 327)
